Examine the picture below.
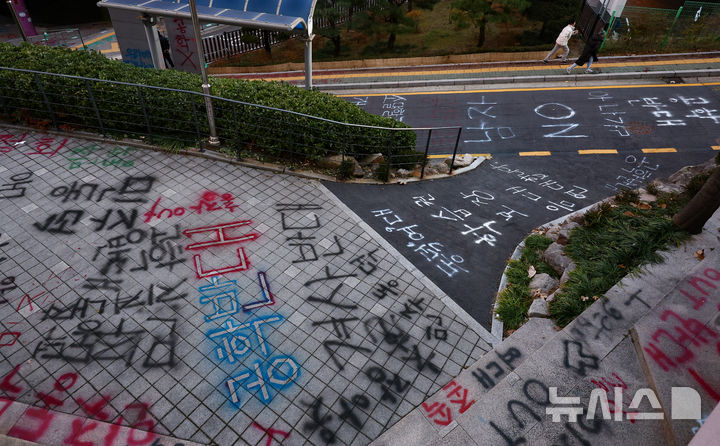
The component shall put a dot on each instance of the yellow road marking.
(96, 39)
(474, 155)
(114, 48)
(716, 147)
(664, 150)
(598, 152)
(538, 153)
(495, 70)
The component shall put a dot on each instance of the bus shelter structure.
(294, 16)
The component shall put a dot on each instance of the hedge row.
(180, 116)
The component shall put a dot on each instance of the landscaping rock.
(566, 274)
(460, 160)
(332, 162)
(429, 171)
(375, 158)
(556, 258)
(683, 176)
(442, 168)
(553, 233)
(564, 232)
(551, 297)
(646, 197)
(403, 173)
(539, 308)
(543, 282)
(358, 171)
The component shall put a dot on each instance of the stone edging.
(520, 79)
(673, 182)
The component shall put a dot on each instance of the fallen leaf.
(537, 293)
(629, 214)
(531, 271)
(584, 298)
(622, 266)
(644, 206)
(663, 206)
(700, 254)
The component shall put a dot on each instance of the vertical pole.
(95, 107)
(45, 98)
(610, 26)
(152, 39)
(147, 118)
(81, 40)
(427, 147)
(457, 142)
(671, 28)
(308, 61)
(195, 117)
(235, 130)
(213, 140)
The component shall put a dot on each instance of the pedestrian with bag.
(562, 41)
(589, 54)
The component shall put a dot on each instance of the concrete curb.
(452, 61)
(517, 80)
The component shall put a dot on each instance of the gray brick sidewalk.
(186, 298)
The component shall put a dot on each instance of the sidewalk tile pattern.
(202, 301)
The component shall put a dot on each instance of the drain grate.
(673, 80)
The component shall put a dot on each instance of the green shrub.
(345, 170)
(695, 184)
(382, 173)
(181, 116)
(515, 300)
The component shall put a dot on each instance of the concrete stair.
(24, 425)
(504, 397)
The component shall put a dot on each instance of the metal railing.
(68, 38)
(693, 26)
(177, 118)
(243, 40)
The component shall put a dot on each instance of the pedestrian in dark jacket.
(165, 46)
(589, 54)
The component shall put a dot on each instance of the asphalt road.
(460, 231)
(623, 118)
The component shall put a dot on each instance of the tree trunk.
(481, 36)
(410, 5)
(695, 214)
(336, 46)
(391, 41)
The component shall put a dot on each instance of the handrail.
(197, 93)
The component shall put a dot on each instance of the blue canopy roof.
(286, 15)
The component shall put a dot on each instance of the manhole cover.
(639, 128)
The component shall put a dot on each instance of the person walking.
(165, 46)
(589, 54)
(562, 41)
